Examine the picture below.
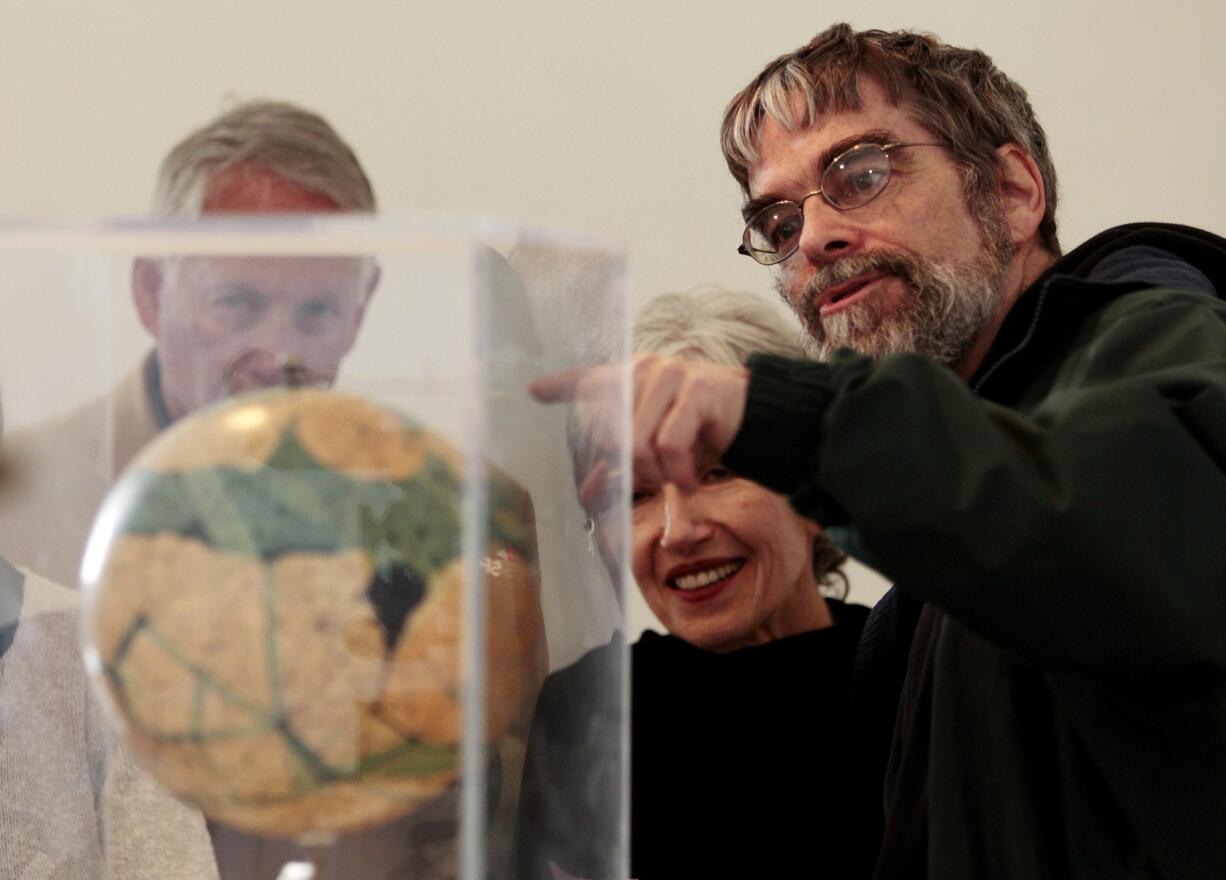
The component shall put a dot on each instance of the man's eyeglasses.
(851, 180)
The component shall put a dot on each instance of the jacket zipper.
(1025, 340)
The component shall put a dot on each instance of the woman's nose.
(685, 519)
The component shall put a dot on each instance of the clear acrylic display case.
(122, 338)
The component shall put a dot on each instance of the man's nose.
(276, 331)
(273, 348)
(258, 368)
(686, 523)
(828, 234)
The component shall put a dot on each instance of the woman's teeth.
(698, 579)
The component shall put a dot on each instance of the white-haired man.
(1033, 445)
(220, 325)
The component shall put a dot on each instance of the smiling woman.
(740, 712)
(729, 564)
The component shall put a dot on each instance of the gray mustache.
(844, 270)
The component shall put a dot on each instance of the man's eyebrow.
(871, 136)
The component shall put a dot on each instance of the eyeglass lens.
(853, 179)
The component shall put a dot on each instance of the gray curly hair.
(722, 326)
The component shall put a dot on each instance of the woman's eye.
(717, 475)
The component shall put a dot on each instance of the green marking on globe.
(196, 736)
(199, 692)
(269, 512)
(291, 455)
(296, 504)
(142, 626)
(413, 758)
(219, 514)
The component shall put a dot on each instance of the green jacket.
(1063, 515)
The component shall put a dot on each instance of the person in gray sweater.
(76, 806)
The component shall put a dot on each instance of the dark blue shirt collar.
(12, 590)
(153, 390)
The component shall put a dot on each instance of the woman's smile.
(701, 581)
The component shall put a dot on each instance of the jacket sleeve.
(1083, 532)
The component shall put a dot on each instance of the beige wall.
(600, 117)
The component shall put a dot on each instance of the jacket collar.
(1202, 249)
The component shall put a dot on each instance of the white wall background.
(601, 117)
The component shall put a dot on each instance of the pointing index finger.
(559, 386)
(575, 383)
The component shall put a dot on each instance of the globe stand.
(298, 871)
(315, 849)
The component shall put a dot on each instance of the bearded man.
(1031, 445)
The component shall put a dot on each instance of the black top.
(740, 762)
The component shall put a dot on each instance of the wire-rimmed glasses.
(851, 180)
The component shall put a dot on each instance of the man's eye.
(319, 307)
(315, 314)
(779, 225)
(236, 300)
(784, 231)
(860, 182)
(717, 475)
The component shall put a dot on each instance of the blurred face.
(727, 565)
(225, 325)
(912, 270)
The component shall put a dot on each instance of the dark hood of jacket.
(1085, 278)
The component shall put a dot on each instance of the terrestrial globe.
(275, 610)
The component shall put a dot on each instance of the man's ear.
(1023, 198)
(147, 293)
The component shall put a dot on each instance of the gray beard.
(944, 309)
